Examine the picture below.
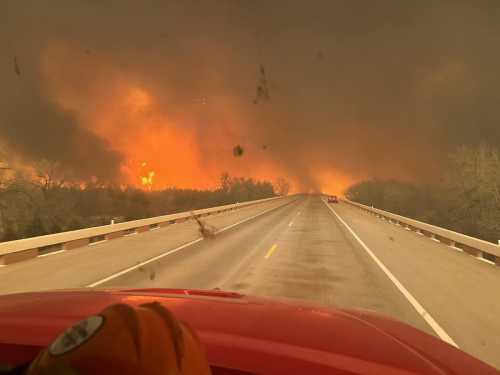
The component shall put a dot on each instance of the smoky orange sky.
(116, 89)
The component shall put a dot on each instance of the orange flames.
(129, 117)
(162, 145)
(147, 180)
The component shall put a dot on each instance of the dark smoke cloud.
(38, 129)
(354, 88)
(31, 124)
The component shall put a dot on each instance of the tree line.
(466, 199)
(46, 202)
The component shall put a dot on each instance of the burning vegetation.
(100, 100)
(46, 200)
(147, 179)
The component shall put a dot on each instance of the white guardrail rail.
(481, 249)
(27, 248)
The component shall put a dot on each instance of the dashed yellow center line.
(271, 251)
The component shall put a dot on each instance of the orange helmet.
(123, 339)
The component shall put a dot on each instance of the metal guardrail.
(481, 249)
(26, 248)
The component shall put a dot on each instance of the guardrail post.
(18, 256)
(470, 250)
(474, 246)
(142, 229)
(76, 243)
(19, 250)
(113, 235)
(444, 240)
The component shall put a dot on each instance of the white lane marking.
(249, 218)
(115, 275)
(126, 270)
(416, 305)
(97, 242)
(49, 254)
(485, 260)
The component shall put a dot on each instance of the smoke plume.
(324, 93)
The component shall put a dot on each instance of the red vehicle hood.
(252, 335)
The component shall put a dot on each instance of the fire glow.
(147, 180)
(164, 140)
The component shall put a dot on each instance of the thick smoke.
(32, 125)
(322, 92)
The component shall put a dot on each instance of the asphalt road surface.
(301, 248)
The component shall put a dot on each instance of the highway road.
(301, 248)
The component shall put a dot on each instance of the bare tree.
(50, 174)
(475, 179)
(225, 182)
(467, 201)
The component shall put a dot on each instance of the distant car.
(333, 199)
